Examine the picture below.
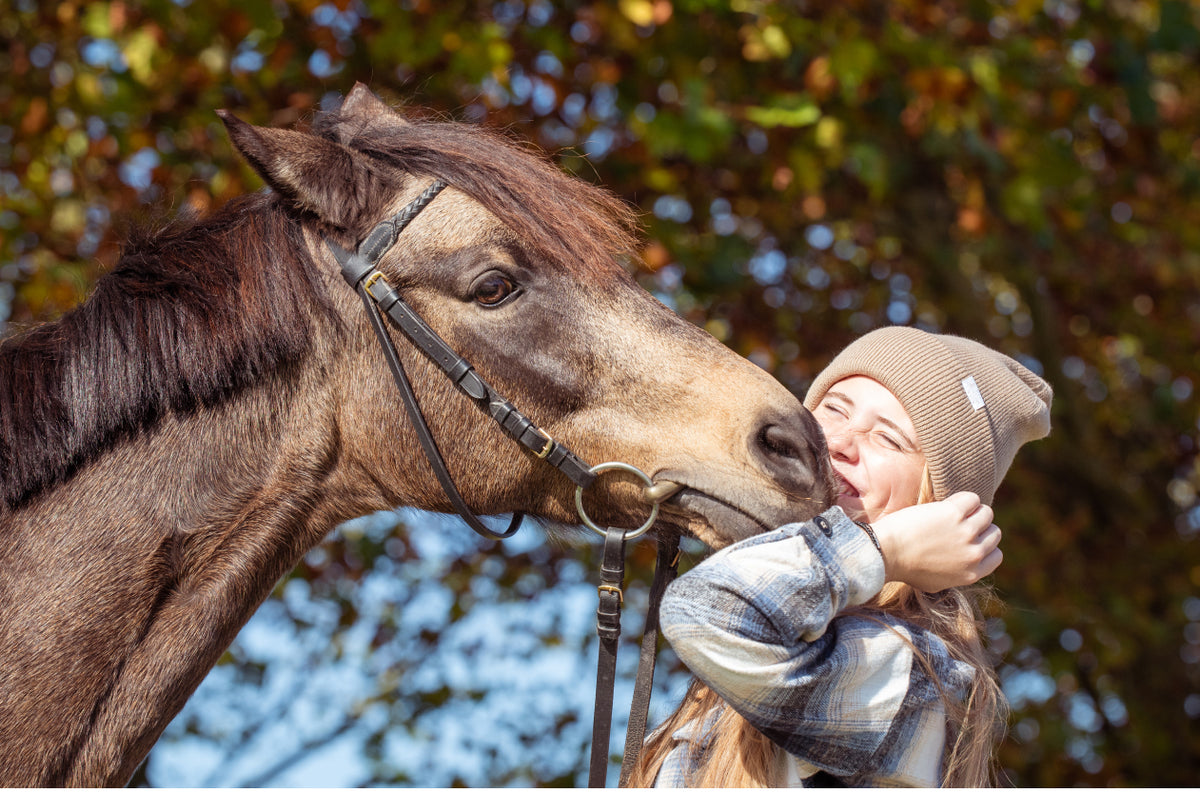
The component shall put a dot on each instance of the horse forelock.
(191, 314)
(580, 226)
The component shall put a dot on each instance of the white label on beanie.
(973, 394)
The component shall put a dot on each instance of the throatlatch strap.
(432, 454)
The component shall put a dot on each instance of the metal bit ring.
(627, 468)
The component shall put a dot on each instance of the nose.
(842, 444)
(790, 448)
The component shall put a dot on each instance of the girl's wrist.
(862, 524)
(882, 533)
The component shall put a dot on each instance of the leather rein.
(360, 270)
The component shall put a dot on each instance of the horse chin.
(718, 521)
(714, 522)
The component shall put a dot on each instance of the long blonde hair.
(733, 754)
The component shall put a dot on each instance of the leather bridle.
(360, 269)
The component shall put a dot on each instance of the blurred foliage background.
(1022, 172)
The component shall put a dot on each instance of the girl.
(846, 650)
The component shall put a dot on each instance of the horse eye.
(494, 290)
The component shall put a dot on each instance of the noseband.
(361, 271)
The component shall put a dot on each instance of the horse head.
(519, 267)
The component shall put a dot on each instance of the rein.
(360, 270)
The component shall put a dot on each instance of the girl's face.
(874, 448)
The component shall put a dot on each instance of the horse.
(173, 445)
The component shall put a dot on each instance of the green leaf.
(788, 110)
(1022, 201)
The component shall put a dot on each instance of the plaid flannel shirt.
(759, 623)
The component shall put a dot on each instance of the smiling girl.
(846, 650)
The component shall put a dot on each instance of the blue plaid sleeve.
(759, 623)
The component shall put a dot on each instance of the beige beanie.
(972, 407)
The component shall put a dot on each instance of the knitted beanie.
(972, 407)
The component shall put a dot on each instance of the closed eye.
(890, 442)
(834, 412)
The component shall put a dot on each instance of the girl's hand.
(941, 544)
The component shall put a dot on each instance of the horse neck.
(125, 574)
(146, 563)
(146, 556)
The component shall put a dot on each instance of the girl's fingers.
(989, 538)
(990, 562)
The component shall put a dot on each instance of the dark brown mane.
(191, 314)
(559, 216)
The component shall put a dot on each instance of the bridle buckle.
(549, 447)
(611, 588)
(371, 279)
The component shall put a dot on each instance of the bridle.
(360, 270)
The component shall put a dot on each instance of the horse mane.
(195, 312)
(559, 216)
(191, 314)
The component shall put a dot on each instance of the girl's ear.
(317, 175)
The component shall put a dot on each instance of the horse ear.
(362, 104)
(359, 110)
(316, 174)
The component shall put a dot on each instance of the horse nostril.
(791, 450)
(778, 442)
